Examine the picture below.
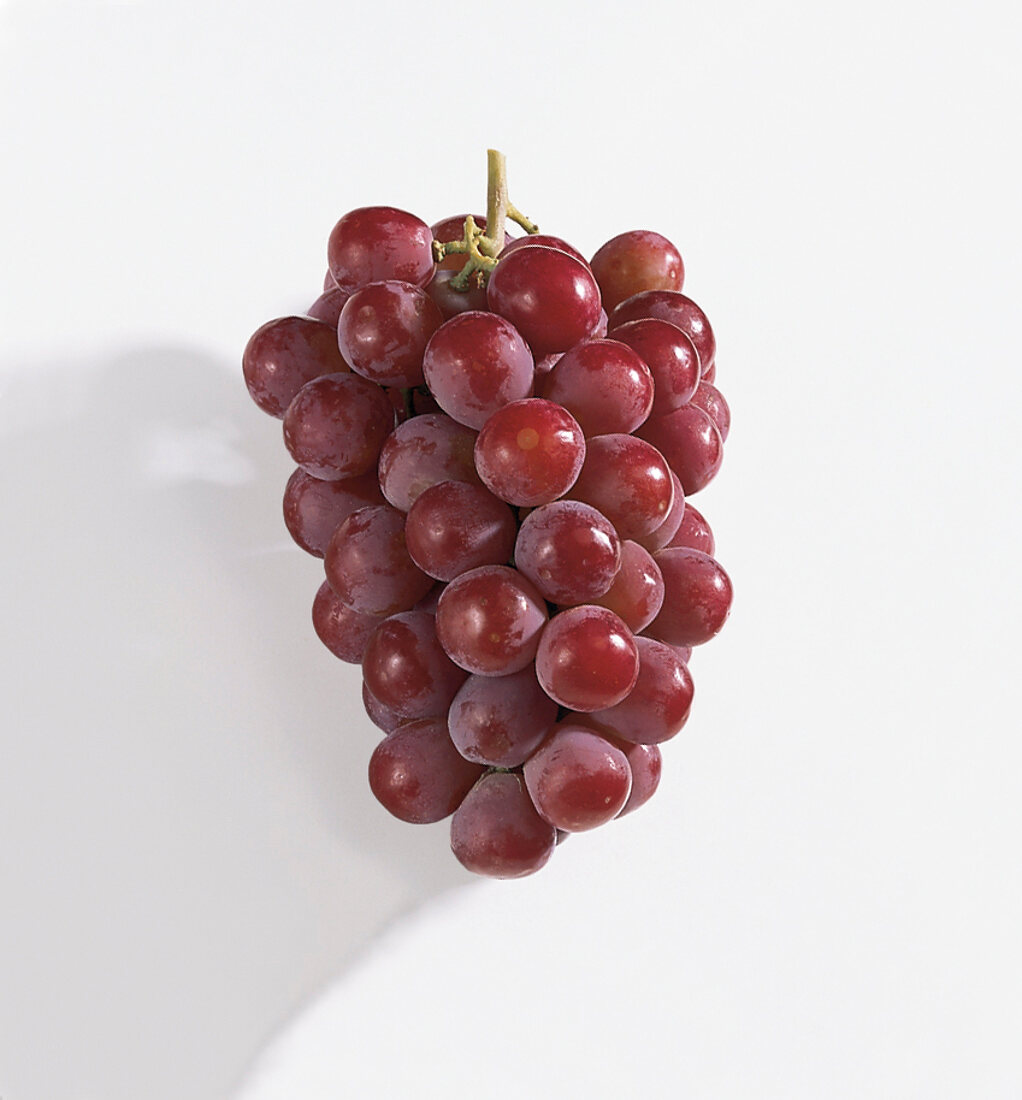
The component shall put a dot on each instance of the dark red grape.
(453, 229)
(489, 620)
(475, 364)
(501, 720)
(645, 763)
(550, 297)
(708, 398)
(424, 451)
(380, 716)
(530, 452)
(694, 531)
(453, 527)
(543, 240)
(697, 597)
(451, 302)
(569, 551)
(659, 704)
(587, 658)
(628, 480)
(314, 509)
(327, 307)
(603, 384)
(283, 355)
(375, 243)
(663, 534)
(497, 832)
(637, 593)
(635, 261)
(406, 669)
(342, 630)
(336, 425)
(418, 775)
(671, 306)
(577, 779)
(368, 566)
(671, 357)
(690, 442)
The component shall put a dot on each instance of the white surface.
(824, 897)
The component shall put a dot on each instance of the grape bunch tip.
(496, 442)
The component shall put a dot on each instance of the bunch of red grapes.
(496, 479)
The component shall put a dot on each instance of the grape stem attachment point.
(483, 249)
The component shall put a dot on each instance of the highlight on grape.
(495, 443)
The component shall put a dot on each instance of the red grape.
(632, 262)
(587, 658)
(637, 593)
(475, 364)
(344, 631)
(628, 480)
(645, 763)
(453, 229)
(368, 566)
(659, 704)
(690, 442)
(418, 775)
(496, 830)
(375, 243)
(501, 720)
(543, 240)
(451, 302)
(336, 425)
(283, 355)
(697, 597)
(424, 451)
(382, 717)
(671, 306)
(530, 452)
(671, 357)
(383, 331)
(569, 551)
(708, 398)
(577, 779)
(694, 531)
(550, 297)
(406, 669)
(489, 620)
(453, 527)
(603, 384)
(314, 509)
(663, 534)
(327, 307)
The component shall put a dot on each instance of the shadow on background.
(190, 850)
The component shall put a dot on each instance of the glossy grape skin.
(663, 534)
(543, 240)
(708, 398)
(368, 566)
(710, 374)
(671, 306)
(283, 355)
(627, 480)
(636, 261)
(475, 364)
(646, 765)
(694, 531)
(604, 384)
(577, 779)
(380, 716)
(336, 425)
(327, 307)
(569, 551)
(671, 357)
(314, 509)
(690, 442)
(418, 775)
(406, 669)
(697, 597)
(451, 302)
(496, 830)
(659, 704)
(501, 720)
(637, 593)
(424, 451)
(550, 297)
(375, 243)
(489, 620)
(342, 630)
(383, 331)
(587, 658)
(530, 452)
(453, 527)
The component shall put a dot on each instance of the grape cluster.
(496, 479)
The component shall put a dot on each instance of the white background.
(825, 897)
